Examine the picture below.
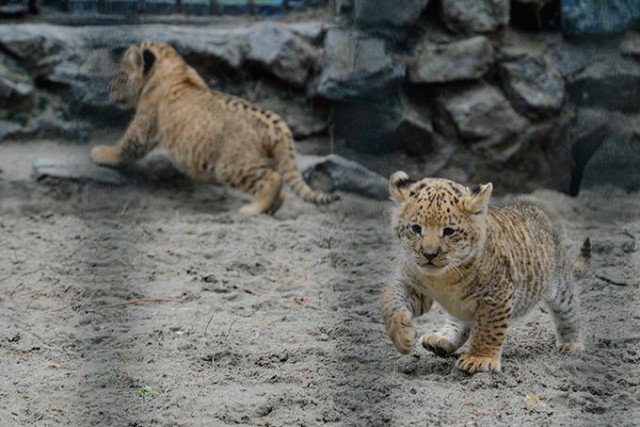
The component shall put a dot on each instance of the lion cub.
(484, 265)
(213, 136)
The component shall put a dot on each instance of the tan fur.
(213, 136)
(484, 265)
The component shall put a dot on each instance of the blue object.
(599, 16)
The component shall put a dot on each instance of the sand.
(155, 303)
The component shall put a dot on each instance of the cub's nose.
(430, 255)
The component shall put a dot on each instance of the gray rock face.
(367, 125)
(631, 45)
(281, 52)
(384, 15)
(483, 117)
(356, 65)
(475, 16)
(599, 17)
(615, 163)
(532, 83)
(613, 84)
(16, 89)
(464, 60)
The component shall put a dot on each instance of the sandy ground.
(156, 304)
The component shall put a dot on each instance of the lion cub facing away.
(213, 136)
(484, 265)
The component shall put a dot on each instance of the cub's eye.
(416, 229)
(448, 231)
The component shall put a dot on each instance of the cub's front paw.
(105, 155)
(401, 332)
(570, 347)
(438, 345)
(469, 363)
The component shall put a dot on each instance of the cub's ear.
(149, 59)
(478, 201)
(134, 58)
(398, 186)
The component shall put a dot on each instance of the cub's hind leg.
(563, 303)
(256, 176)
(448, 339)
(137, 141)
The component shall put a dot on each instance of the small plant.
(146, 392)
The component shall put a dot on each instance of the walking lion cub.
(484, 265)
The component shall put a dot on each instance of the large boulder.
(388, 17)
(531, 82)
(599, 17)
(356, 65)
(481, 116)
(615, 163)
(468, 59)
(613, 84)
(284, 54)
(475, 16)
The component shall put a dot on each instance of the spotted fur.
(212, 135)
(484, 265)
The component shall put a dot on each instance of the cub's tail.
(285, 157)
(582, 263)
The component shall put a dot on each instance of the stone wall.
(475, 90)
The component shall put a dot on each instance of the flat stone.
(468, 59)
(77, 171)
(475, 16)
(347, 175)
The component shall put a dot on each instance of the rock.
(589, 130)
(481, 116)
(9, 130)
(388, 17)
(631, 45)
(367, 125)
(347, 175)
(595, 86)
(599, 17)
(356, 65)
(475, 16)
(463, 60)
(531, 82)
(16, 89)
(415, 134)
(569, 59)
(615, 163)
(44, 168)
(282, 53)
(30, 44)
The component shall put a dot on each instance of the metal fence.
(190, 7)
(17, 8)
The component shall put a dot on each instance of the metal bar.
(213, 7)
(141, 6)
(250, 7)
(179, 6)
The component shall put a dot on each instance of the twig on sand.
(142, 301)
